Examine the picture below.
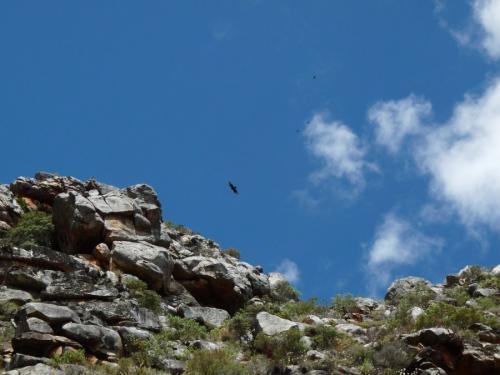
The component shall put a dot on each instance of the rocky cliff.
(94, 282)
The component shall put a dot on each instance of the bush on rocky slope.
(34, 228)
(118, 325)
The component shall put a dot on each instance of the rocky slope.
(93, 282)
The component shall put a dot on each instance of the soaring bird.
(233, 187)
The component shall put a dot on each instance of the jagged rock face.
(45, 187)
(88, 213)
(150, 263)
(214, 279)
(84, 220)
(10, 211)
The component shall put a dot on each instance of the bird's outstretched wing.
(233, 187)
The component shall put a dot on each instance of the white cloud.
(290, 270)
(463, 159)
(339, 150)
(396, 120)
(487, 15)
(483, 29)
(397, 243)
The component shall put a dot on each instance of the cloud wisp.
(339, 150)
(396, 243)
(486, 13)
(396, 120)
(290, 270)
(483, 29)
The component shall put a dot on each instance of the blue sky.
(363, 135)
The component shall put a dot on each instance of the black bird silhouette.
(233, 187)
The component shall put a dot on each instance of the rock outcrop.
(120, 282)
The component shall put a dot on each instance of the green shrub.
(239, 325)
(458, 293)
(215, 362)
(22, 203)
(149, 352)
(232, 252)
(34, 228)
(186, 329)
(400, 320)
(297, 310)
(441, 314)
(490, 281)
(7, 310)
(284, 292)
(178, 227)
(474, 274)
(324, 336)
(392, 355)
(283, 349)
(344, 304)
(366, 367)
(356, 354)
(145, 297)
(69, 357)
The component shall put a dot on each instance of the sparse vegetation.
(232, 252)
(215, 362)
(178, 227)
(344, 304)
(147, 298)
(76, 357)
(282, 349)
(297, 310)
(35, 228)
(186, 329)
(441, 314)
(7, 310)
(284, 292)
(323, 336)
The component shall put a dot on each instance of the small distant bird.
(233, 187)
(314, 76)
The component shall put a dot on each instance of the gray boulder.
(32, 325)
(10, 211)
(46, 258)
(151, 263)
(14, 295)
(496, 270)
(433, 337)
(209, 316)
(98, 340)
(485, 292)
(130, 337)
(39, 369)
(40, 344)
(52, 314)
(351, 329)
(401, 287)
(272, 325)
(24, 360)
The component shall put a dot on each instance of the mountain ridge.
(94, 281)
